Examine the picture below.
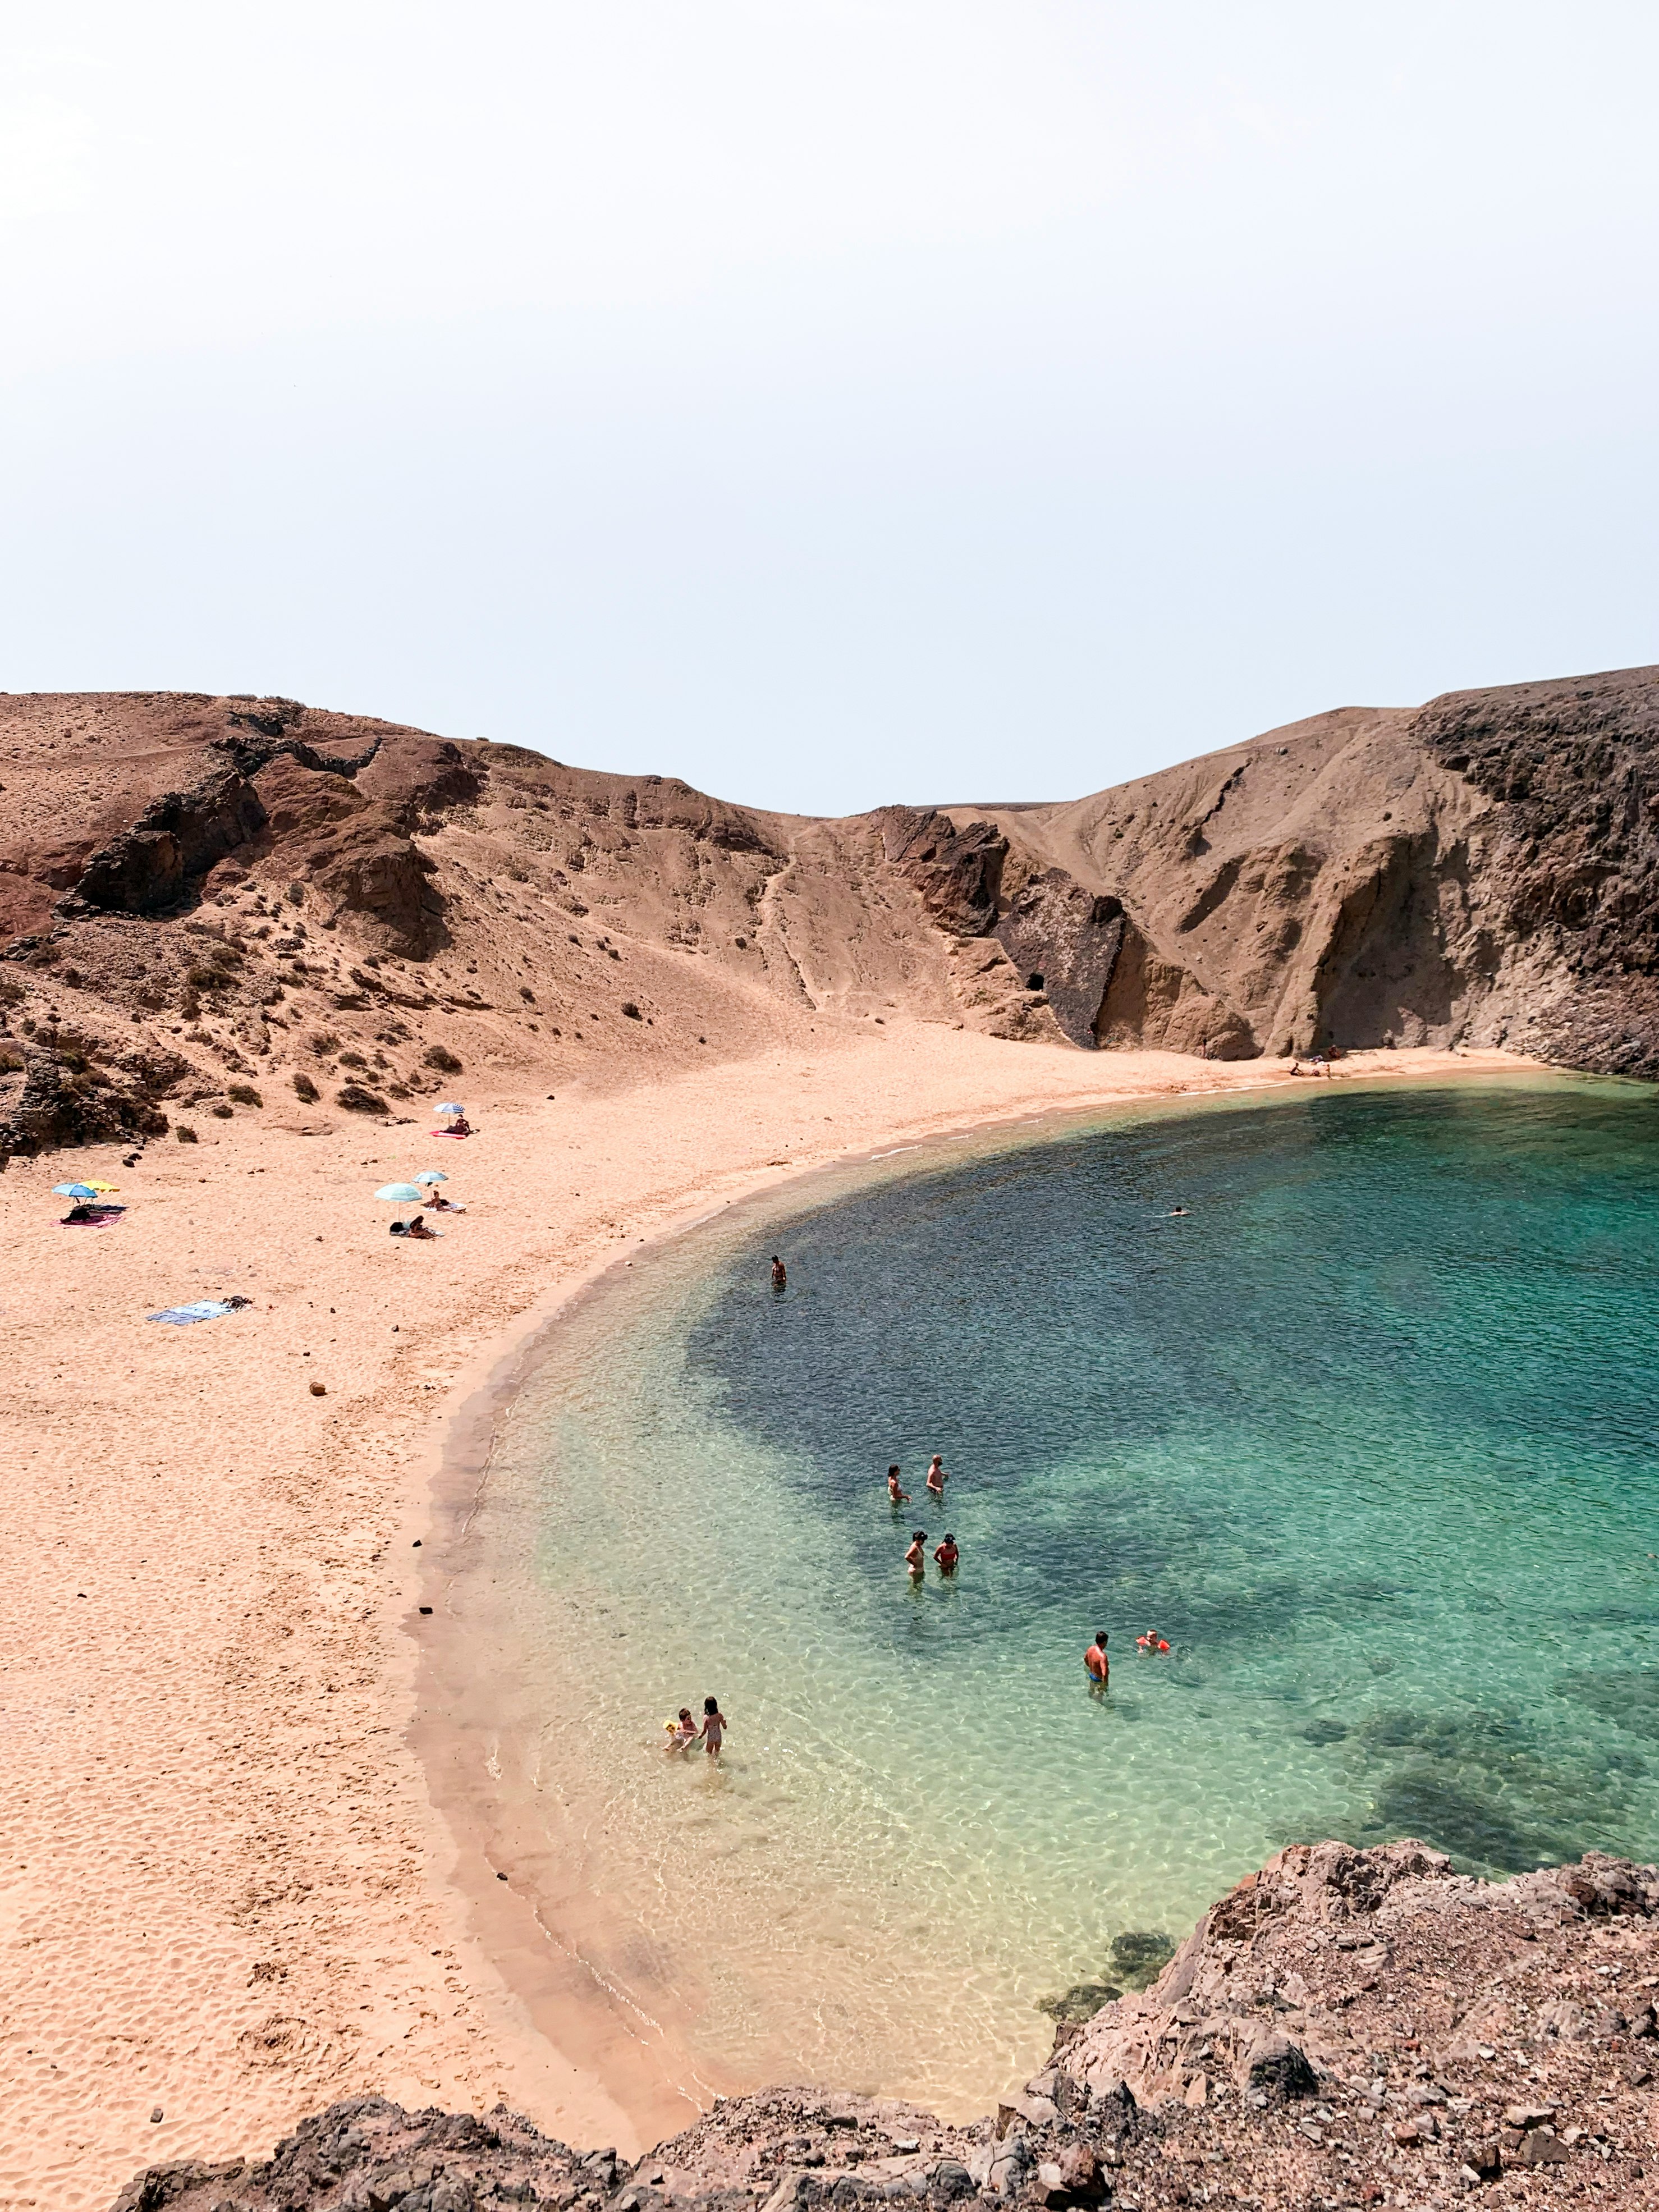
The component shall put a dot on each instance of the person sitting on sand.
(945, 1555)
(780, 1275)
(417, 1228)
(899, 1497)
(916, 1558)
(714, 1725)
(938, 1476)
(439, 1203)
(460, 1126)
(1095, 1659)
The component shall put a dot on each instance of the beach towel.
(204, 1310)
(110, 1219)
(460, 1133)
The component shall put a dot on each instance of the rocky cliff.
(202, 895)
(1346, 2028)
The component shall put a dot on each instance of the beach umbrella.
(433, 1174)
(73, 1190)
(400, 1194)
(451, 1108)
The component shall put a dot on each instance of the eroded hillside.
(215, 904)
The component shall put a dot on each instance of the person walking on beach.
(1095, 1659)
(714, 1725)
(938, 1476)
(947, 1555)
(916, 1558)
(780, 1275)
(899, 1497)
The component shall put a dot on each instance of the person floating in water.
(916, 1558)
(1176, 1213)
(945, 1555)
(938, 1476)
(1151, 1641)
(1095, 1659)
(780, 1275)
(714, 1725)
(899, 1497)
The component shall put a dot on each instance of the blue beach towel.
(204, 1310)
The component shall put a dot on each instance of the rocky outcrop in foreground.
(1346, 2028)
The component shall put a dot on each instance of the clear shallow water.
(1370, 1436)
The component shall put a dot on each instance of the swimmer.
(714, 1725)
(916, 1558)
(938, 1476)
(947, 1555)
(1176, 1213)
(780, 1275)
(899, 1497)
(1095, 1659)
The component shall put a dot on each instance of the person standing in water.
(938, 1476)
(916, 1558)
(780, 1275)
(1095, 1659)
(947, 1555)
(714, 1725)
(899, 1497)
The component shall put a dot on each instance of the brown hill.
(212, 902)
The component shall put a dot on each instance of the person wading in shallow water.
(938, 1476)
(899, 1497)
(916, 1558)
(714, 1725)
(780, 1275)
(1095, 1659)
(947, 1555)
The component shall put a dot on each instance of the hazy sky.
(830, 401)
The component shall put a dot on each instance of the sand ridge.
(226, 1898)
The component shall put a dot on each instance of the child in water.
(684, 1732)
(714, 1725)
(916, 1558)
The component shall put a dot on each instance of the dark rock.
(958, 872)
(173, 843)
(1072, 937)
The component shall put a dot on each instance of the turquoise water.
(1369, 1435)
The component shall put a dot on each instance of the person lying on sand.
(916, 1558)
(945, 1554)
(714, 1725)
(899, 1497)
(1095, 1659)
(938, 1476)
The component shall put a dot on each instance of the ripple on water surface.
(1367, 1434)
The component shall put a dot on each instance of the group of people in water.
(684, 1732)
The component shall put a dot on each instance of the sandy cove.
(226, 1899)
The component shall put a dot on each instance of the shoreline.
(232, 1896)
(651, 2074)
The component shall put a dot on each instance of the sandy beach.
(229, 1897)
